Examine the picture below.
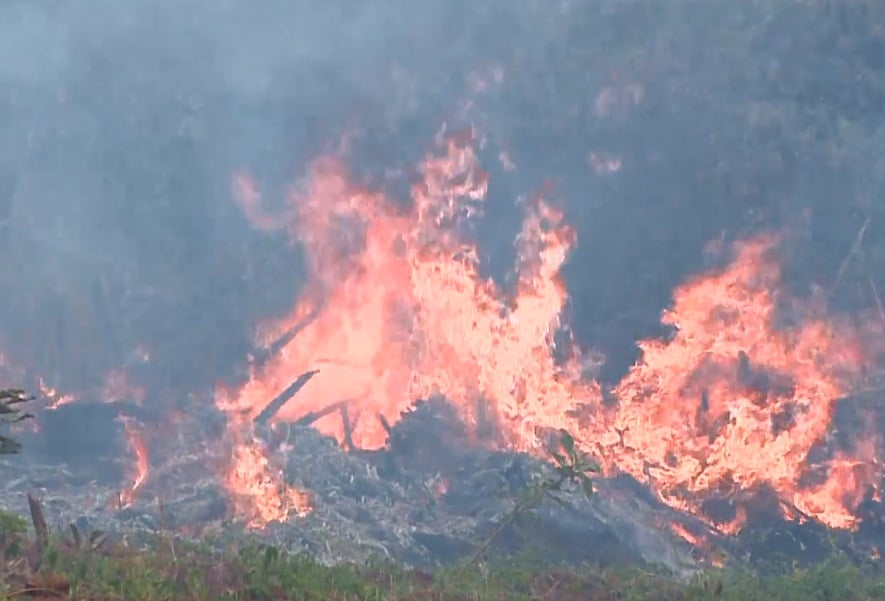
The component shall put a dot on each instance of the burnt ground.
(430, 499)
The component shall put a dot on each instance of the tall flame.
(138, 445)
(732, 400)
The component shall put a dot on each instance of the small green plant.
(10, 413)
(572, 467)
(257, 572)
(13, 528)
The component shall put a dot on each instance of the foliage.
(170, 569)
(10, 413)
(226, 566)
(12, 534)
(573, 467)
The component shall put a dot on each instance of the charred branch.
(347, 424)
(275, 405)
(264, 354)
(309, 418)
(41, 532)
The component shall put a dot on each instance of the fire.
(396, 310)
(732, 398)
(406, 314)
(115, 387)
(56, 399)
(138, 446)
(259, 492)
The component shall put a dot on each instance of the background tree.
(10, 413)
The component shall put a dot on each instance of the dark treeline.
(123, 126)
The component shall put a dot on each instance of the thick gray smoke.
(122, 125)
(123, 122)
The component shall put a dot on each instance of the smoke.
(656, 131)
(123, 124)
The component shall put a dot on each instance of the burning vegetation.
(411, 390)
(738, 401)
(733, 410)
(741, 396)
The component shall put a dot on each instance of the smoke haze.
(662, 130)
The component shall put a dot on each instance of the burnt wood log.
(281, 399)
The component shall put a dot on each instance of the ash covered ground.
(656, 226)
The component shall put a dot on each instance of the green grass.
(164, 568)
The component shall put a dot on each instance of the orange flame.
(732, 398)
(56, 398)
(115, 387)
(258, 491)
(732, 401)
(406, 313)
(138, 445)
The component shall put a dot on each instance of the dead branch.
(877, 299)
(347, 425)
(312, 416)
(264, 354)
(39, 521)
(341, 407)
(858, 241)
(386, 425)
(75, 536)
(281, 399)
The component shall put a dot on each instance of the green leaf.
(587, 485)
(560, 459)
(270, 556)
(587, 466)
(567, 441)
(564, 472)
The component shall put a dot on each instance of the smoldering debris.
(430, 498)
(421, 508)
